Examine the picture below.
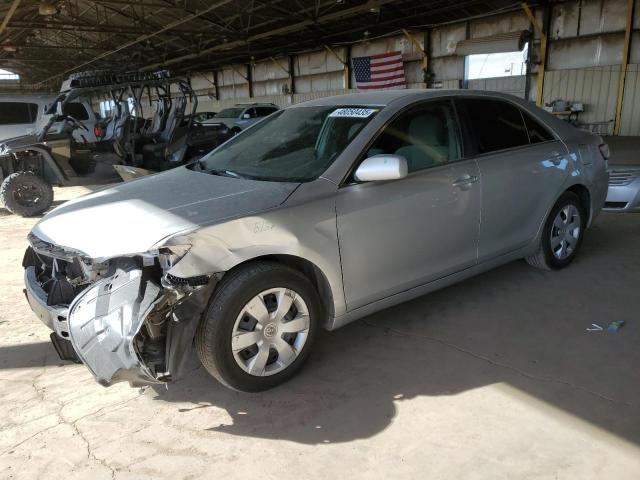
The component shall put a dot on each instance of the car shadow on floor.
(515, 325)
(29, 355)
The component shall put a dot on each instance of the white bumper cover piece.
(103, 321)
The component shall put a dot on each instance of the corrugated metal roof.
(195, 35)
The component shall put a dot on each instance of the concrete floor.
(495, 378)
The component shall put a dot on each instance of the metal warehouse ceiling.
(45, 41)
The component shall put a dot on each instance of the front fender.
(219, 248)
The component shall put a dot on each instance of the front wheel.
(26, 194)
(561, 235)
(259, 327)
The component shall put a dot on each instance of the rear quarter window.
(538, 133)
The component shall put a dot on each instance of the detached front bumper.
(127, 324)
(102, 322)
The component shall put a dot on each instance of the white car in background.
(242, 115)
(25, 114)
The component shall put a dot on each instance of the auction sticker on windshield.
(353, 112)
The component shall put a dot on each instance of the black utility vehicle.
(31, 164)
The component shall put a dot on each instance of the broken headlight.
(169, 256)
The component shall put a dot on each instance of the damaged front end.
(126, 318)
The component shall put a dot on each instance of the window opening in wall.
(492, 65)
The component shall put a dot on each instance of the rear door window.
(16, 113)
(493, 124)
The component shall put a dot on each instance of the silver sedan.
(323, 213)
(624, 189)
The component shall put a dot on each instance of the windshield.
(292, 145)
(229, 113)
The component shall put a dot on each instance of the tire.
(26, 194)
(226, 317)
(550, 254)
(235, 131)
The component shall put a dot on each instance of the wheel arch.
(585, 198)
(310, 270)
(48, 161)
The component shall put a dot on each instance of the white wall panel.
(596, 87)
(202, 81)
(232, 76)
(390, 44)
(444, 39)
(507, 23)
(586, 52)
(271, 87)
(451, 84)
(271, 69)
(315, 63)
(320, 83)
(448, 68)
(513, 85)
(589, 17)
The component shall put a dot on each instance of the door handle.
(465, 181)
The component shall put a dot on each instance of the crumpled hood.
(134, 216)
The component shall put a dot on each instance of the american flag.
(382, 72)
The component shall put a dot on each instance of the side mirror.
(382, 167)
(246, 116)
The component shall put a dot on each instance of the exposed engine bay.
(126, 318)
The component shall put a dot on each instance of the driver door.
(397, 235)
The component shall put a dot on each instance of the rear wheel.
(259, 328)
(26, 194)
(562, 234)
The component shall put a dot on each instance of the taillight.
(604, 151)
(97, 131)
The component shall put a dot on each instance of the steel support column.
(623, 68)
(543, 53)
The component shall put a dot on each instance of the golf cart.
(125, 138)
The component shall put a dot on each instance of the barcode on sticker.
(352, 112)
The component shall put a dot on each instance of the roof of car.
(384, 98)
(256, 104)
